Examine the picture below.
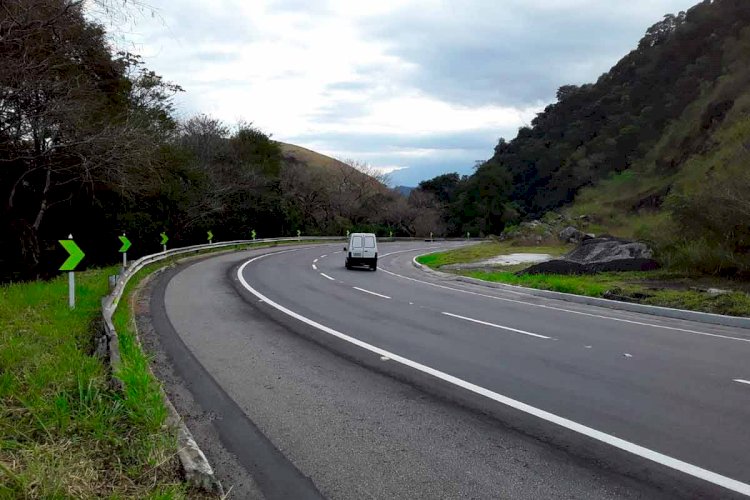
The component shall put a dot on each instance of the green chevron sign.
(75, 255)
(164, 238)
(253, 234)
(299, 233)
(125, 243)
(210, 236)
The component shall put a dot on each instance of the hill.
(404, 190)
(297, 154)
(656, 148)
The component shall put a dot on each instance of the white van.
(361, 251)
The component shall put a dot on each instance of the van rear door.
(370, 248)
(356, 247)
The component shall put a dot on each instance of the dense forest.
(657, 148)
(90, 146)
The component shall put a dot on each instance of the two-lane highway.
(416, 386)
(665, 390)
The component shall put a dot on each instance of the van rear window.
(369, 242)
(356, 242)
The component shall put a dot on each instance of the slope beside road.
(669, 387)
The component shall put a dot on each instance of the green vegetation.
(579, 285)
(632, 287)
(659, 288)
(65, 432)
(482, 251)
(656, 149)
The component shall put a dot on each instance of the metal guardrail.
(111, 301)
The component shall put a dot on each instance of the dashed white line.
(324, 256)
(493, 325)
(315, 261)
(371, 293)
(641, 451)
(570, 311)
(315, 267)
(326, 276)
(742, 381)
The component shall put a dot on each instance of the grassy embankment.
(655, 288)
(64, 430)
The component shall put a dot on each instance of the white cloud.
(419, 69)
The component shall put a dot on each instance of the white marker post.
(72, 289)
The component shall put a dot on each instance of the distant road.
(594, 402)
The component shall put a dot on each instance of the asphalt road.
(415, 386)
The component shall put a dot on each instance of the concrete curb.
(666, 312)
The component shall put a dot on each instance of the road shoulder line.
(635, 449)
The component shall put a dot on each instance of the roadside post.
(468, 235)
(390, 234)
(210, 237)
(299, 233)
(164, 240)
(124, 250)
(253, 234)
(432, 240)
(75, 254)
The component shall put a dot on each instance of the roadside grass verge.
(482, 251)
(658, 288)
(578, 285)
(65, 432)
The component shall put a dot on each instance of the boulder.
(596, 255)
(572, 235)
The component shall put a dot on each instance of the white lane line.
(493, 325)
(655, 456)
(580, 313)
(326, 276)
(414, 250)
(315, 261)
(315, 267)
(371, 293)
(324, 256)
(742, 381)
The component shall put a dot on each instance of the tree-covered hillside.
(597, 129)
(651, 149)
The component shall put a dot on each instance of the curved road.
(607, 403)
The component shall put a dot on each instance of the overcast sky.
(418, 88)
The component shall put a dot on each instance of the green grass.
(652, 289)
(482, 251)
(64, 431)
(578, 285)
(661, 288)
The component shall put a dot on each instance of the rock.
(607, 249)
(596, 255)
(573, 235)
